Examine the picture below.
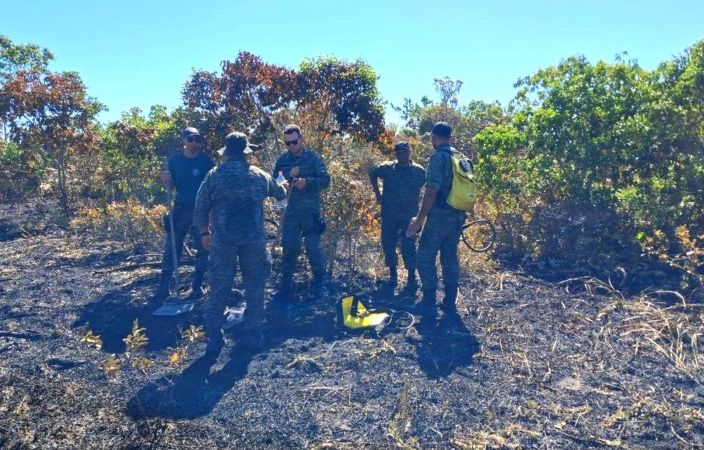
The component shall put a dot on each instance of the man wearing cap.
(233, 194)
(402, 181)
(442, 227)
(185, 171)
(306, 173)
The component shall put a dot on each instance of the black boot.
(449, 301)
(411, 283)
(162, 292)
(196, 286)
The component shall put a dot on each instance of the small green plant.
(137, 367)
(400, 423)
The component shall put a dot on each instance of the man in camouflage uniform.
(443, 228)
(233, 193)
(402, 180)
(185, 171)
(307, 176)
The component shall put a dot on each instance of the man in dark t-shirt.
(185, 172)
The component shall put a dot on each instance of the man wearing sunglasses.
(185, 172)
(402, 181)
(306, 174)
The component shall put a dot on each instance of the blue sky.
(132, 53)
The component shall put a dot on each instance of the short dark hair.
(442, 129)
(292, 128)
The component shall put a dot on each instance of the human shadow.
(112, 315)
(445, 344)
(196, 391)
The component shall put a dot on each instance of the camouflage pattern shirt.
(316, 175)
(233, 193)
(439, 176)
(401, 187)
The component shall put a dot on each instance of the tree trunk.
(63, 188)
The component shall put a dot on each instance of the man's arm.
(321, 179)
(417, 222)
(201, 212)
(274, 190)
(433, 181)
(165, 175)
(278, 168)
(374, 179)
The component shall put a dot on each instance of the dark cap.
(403, 145)
(442, 129)
(190, 131)
(237, 143)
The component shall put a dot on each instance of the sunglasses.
(193, 139)
(293, 142)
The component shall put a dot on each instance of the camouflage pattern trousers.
(441, 233)
(222, 266)
(297, 226)
(393, 230)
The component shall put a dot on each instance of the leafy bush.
(20, 172)
(591, 169)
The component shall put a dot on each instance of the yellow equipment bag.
(356, 316)
(463, 192)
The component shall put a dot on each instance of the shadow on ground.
(444, 343)
(440, 349)
(198, 389)
(111, 316)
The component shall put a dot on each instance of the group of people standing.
(222, 207)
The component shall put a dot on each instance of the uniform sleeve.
(201, 212)
(434, 172)
(277, 168)
(374, 172)
(321, 179)
(421, 175)
(379, 171)
(273, 189)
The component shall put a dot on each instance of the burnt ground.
(525, 364)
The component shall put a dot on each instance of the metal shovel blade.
(174, 308)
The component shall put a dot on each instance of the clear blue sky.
(140, 53)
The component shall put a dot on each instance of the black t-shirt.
(187, 175)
